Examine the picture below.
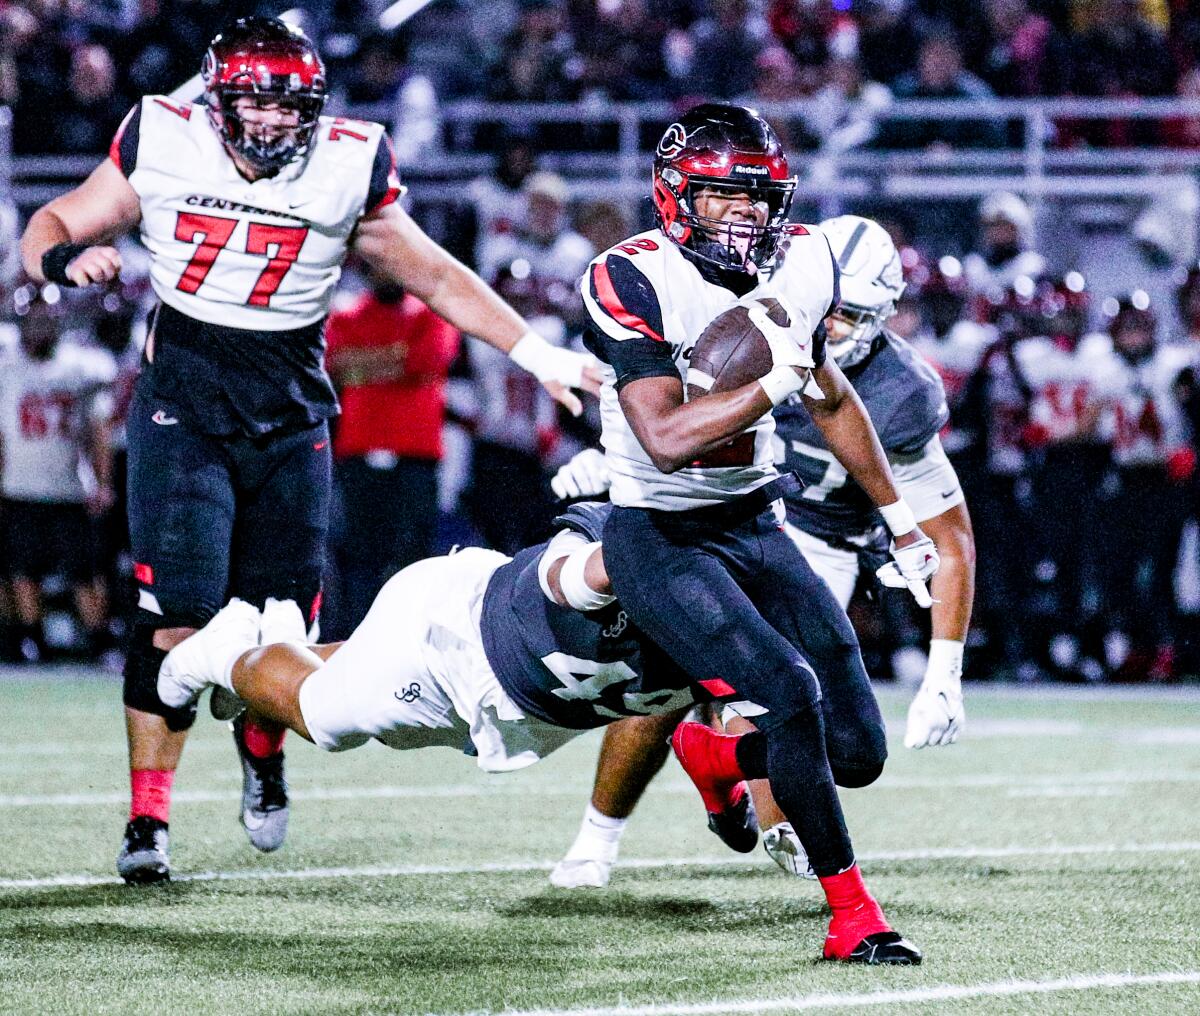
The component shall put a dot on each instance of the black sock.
(751, 752)
(801, 780)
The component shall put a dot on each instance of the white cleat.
(784, 848)
(580, 874)
(200, 660)
(282, 621)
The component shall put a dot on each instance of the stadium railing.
(604, 149)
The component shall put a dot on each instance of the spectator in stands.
(844, 113)
(804, 29)
(389, 355)
(497, 198)
(601, 223)
(1122, 53)
(57, 466)
(514, 424)
(940, 75)
(888, 39)
(620, 53)
(1021, 53)
(542, 237)
(533, 68)
(1006, 251)
(88, 117)
(724, 47)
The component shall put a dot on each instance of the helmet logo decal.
(673, 141)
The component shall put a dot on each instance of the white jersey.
(512, 408)
(262, 255)
(956, 356)
(647, 305)
(1140, 415)
(45, 406)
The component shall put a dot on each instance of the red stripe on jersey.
(612, 303)
(143, 573)
(394, 190)
(718, 688)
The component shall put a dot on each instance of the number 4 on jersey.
(280, 244)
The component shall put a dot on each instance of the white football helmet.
(872, 280)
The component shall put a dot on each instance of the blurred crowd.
(1075, 423)
(1075, 415)
(71, 68)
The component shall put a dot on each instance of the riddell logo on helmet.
(673, 141)
(752, 170)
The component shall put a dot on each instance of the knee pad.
(142, 662)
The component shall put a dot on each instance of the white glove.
(911, 566)
(791, 344)
(586, 475)
(936, 715)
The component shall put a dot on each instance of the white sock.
(225, 674)
(599, 837)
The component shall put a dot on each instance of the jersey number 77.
(279, 244)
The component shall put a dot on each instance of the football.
(731, 351)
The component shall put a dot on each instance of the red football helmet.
(266, 59)
(727, 148)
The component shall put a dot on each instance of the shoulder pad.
(586, 517)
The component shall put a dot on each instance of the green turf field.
(1049, 863)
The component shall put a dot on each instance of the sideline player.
(517, 655)
(693, 547)
(836, 527)
(248, 204)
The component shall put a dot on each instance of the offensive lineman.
(248, 204)
(835, 525)
(694, 550)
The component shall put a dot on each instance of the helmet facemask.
(740, 246)
(863, 324)
(266, 148)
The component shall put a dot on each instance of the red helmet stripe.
(612, 303)
(712, 163)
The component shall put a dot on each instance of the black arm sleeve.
(124, 148)
(631, 358)
(384, 187)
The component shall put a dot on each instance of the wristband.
(780, 382)
(545, 361)
(574, 586)
(56, 259)
(945, 659)
(898, 517)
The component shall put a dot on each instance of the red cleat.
(858, 931)
(710, 760)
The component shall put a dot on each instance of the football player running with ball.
(694, 546)
(835, 525)
(248, 204)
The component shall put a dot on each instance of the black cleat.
(737, 825)
(886, 948)
(143, 859)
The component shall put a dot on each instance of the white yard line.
(942, 993)
(727, 860)
(1058, 784)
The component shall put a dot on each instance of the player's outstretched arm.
(397, 247)
(847, 429)
(68, 240)
(936, 715)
